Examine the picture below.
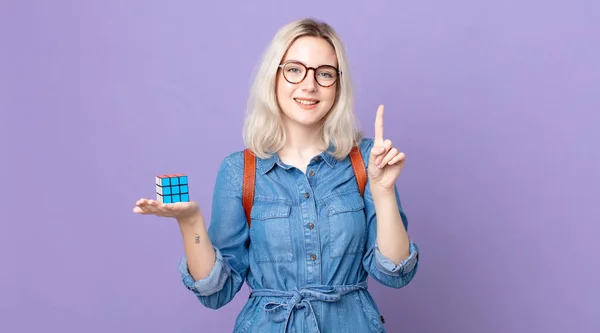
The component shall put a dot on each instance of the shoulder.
(365, 145)
(235, 158)
(232, 163)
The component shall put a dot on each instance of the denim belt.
(301, 298)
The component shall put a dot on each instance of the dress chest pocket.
(346, 224)
(271, 233)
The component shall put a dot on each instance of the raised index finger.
(379, 125)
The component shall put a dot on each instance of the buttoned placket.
(308, 214)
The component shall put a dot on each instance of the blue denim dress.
(308, 253)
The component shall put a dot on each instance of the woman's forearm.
(198, 247)
(392, 238)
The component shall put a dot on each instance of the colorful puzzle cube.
(172, 188)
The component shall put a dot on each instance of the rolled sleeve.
(385, 265)
(210, 285)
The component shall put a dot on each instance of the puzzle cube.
(172, 188)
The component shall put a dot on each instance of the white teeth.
(303, 102)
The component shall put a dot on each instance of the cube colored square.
(172, 188)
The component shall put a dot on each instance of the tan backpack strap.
(248, 183)
(359, 169)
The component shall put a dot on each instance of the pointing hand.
(385, 161)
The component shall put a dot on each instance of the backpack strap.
(359, 169)
(249, 177)
(248, 182)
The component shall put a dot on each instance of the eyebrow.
(302, 62)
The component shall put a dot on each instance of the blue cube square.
(164, 198)
(183, 180)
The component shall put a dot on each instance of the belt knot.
(302, 298)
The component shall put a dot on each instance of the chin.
(310, 117)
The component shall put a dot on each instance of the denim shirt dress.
(308, 252)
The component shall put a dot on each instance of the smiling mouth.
(307, 102)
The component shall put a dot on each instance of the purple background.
(495, 103)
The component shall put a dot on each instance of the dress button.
(313, 257)
(311, 173)
(307, 195)
(311, 226)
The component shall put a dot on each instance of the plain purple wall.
(495, 103)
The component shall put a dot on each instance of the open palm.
(179, 210)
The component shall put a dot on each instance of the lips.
(306, 101)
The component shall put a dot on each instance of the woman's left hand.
(385, 161)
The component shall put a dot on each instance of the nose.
(309, 83)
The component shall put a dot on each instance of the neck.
(302, 144)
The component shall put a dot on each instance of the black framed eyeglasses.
(295, 72)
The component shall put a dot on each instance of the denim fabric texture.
(308, 252)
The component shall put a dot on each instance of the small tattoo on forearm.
(197, 239)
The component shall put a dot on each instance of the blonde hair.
(264, 133)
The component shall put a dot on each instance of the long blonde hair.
(264, 133)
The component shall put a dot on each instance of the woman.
(314, 236)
